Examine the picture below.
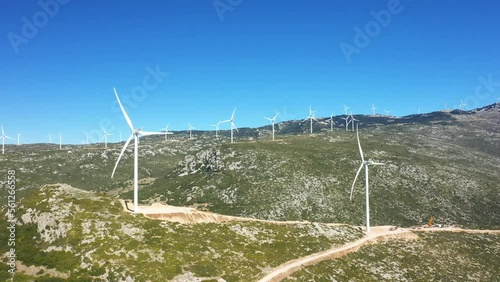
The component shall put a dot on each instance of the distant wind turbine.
(345, 109)
(165, 130)
(136, 134)
(353, 120)
(367, 190)
(272, 120)
(3, 140)
(462, 105)
(60, 141)
(331, 122)
(105, 138)
(233, 126)
(387, 112)
(373, 110)
(347, 121)
(190, 128)
(19, 139)
(311, 118)
(216, 129)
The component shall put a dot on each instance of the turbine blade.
(269, 119)
(148, 133)
(8, 137)
(377, 163)
(232, 116)
(359, 144)
(3, 132)
(121, 154)
(355, 178)
(129, 122)
(234, 126)
(274, 118)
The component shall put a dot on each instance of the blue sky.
(260, 56)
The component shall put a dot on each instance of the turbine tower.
(311, 118)
(190, 129)
(3, 140)
(331, 122)
(345, 109)
(166, 132)
(272, 120)
(367, 190)
(353, 120)
(105, 138)
(233, 126)
(373, 110)
(216, 129)
(347, 121)
(19, 139)
(60, 141)
(136, 134)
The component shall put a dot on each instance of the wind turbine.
(353, 120)
(387, 112)
(233, 126)
(272, 120)
(190, 129)
(3, 140)
(136, 133)
(50, 138)
(311, 118)
(347, 121)
(367, 190)
(60, 141)
(216, 129)
(19, 139)
(105, 138)
(345, 109)
(166, 132)
(462, 105)
(331, 122)
(373, 109)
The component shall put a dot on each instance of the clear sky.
(59, 61)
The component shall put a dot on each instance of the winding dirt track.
(380, 233)
(376, 234)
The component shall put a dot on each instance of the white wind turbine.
(367, 191)
(190, 128)
(345, 109)
(311, 118)
(233, 126)
(19, 139)
(105, 138)
(462, 106)
(347, 121)
(387, 112)
(353, 120)
(373, 110)
(3, 140)
(136, 134)
(272, 120)
(216, 129)
(166, 132)
(331, 122)
(60, 141)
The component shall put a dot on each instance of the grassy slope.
(440, 256)
(95, 239)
